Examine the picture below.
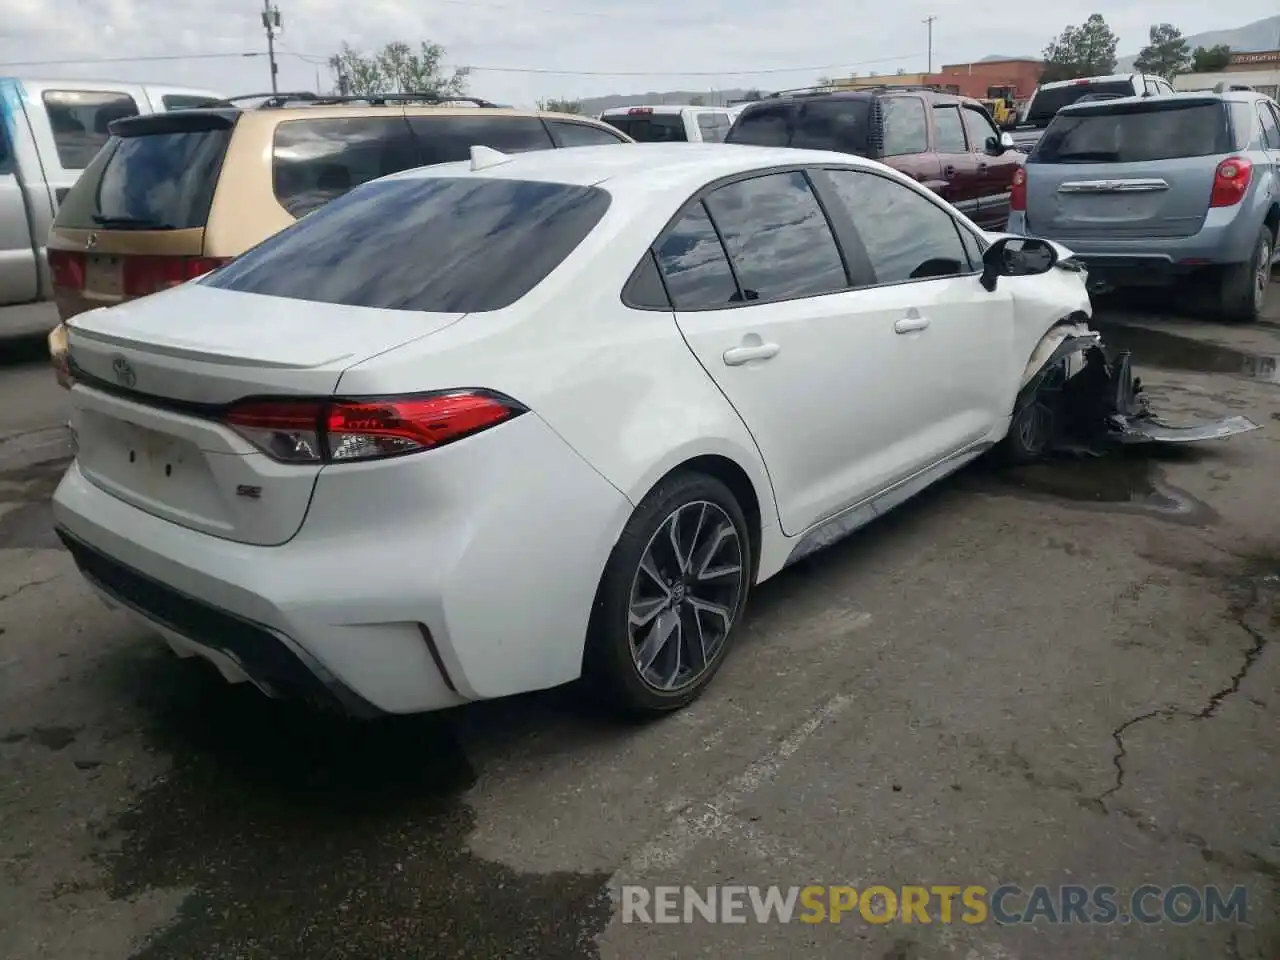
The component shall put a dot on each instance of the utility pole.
(271, 23)
(928, 22)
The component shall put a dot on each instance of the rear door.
(962, 181)
(1127, 169)
(904, 141)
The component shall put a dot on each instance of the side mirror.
(1006, 141)
(1016, 257)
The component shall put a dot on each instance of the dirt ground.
(1061, 674)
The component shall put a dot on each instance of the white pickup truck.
(49, 131)
(1049, 98)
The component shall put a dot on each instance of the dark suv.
(948, 143)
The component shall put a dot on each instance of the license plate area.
(104, 276)
(146, 463)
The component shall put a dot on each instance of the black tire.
(1239, 297)
(1030, 435)
(610, 670)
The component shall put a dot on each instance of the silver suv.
(1148, 190)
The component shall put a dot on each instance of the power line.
(149, 59)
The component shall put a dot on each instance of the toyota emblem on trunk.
(91, 241)
(123, 371)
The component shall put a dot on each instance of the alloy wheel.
(685, 595)
(1262, 276)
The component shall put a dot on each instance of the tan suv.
(172, 196)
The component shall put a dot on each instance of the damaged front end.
(1076, 398)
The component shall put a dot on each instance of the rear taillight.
(1018, 190)
(67, 269)
(341, 431)
(1231, 182)
(150, 274)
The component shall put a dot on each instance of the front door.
(995, 168)
(959, 166)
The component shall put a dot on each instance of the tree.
(560, 106)
(1167, 55)
(753, 94)
(697, 100)
(1088, 50)
(396, 68)
(1210, 60)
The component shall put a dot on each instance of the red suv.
(948, 143)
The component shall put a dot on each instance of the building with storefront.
(1259, 71)
(979, 80)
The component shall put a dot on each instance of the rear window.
(649, 127)
(160, 181)
(1136, 133)
(439, 245)
(1047, 102)
(79, 120)
(842, 125)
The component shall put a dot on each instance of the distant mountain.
(1252, 37)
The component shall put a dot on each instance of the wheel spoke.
(696, 639)
(644, 610)
(717, 610)
(660, 634)
(684, 551)
(705, 570)
(650, 570)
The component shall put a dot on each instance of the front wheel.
(672, 592)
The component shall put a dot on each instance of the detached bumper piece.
(1104, 405)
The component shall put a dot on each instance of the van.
(50, 131)
(667, 123)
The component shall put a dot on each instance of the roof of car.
(661, 165)
(661, 108)
(1204, 96)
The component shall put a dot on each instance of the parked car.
(947, 143)
(472, 430)
(225, 178)
(1049, 98)
(671, 123)
(1150, 190)
(50, 130)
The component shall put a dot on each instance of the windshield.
(1049, 100)
(159, 181)
(1136, 133)
(438, 245)
(649, 127)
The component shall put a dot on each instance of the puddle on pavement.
(306, 835)
(26, 520)
(1172, 351)
(1126, 480)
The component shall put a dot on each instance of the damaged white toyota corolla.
(477, 429)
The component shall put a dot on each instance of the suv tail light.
(1231, 182)
(373, 428)
(1018, 190)
(151, 274)
(67, 269)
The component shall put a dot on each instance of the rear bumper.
(415, 584)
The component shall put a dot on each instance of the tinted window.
(1135, 133)
(1242, 123)
(948, 131)
(1047, 102)
(186, 101)
(315, 161)
(79, 120)
(451, 245)
(649, 127)
(838, 124)
(904, 126)
(569, 134)
(444, 139)
(763, 126)
(694, 265)
(981, 129)
(906, 236)
(645, 288)
(1269, 128)
(159, 181)
(778, 237)
(6, 158)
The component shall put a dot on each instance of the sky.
(525, 50)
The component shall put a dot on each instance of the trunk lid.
(153, 376)
(1131, 169)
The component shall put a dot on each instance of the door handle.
(982, 166)
(948, 171)
(911, 324)
(737, 356)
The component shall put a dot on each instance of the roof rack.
(277, 100)
(800, 92)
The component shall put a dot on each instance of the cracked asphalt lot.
(1062, 674)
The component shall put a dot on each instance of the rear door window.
(1140, 132)
(778, 238)
(948, 131)
(1270, 131)
(1243, 122)
(649, 127)
(79, 120)
(570, 134)
(154, 181)
(315, 161)
(432, 244)
(838, 124)
(444, 139)
(694, 265)
(905, 131)
(763, 126)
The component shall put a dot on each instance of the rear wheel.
(674, 588)
(1242, 289)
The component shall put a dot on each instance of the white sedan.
(477, 429)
